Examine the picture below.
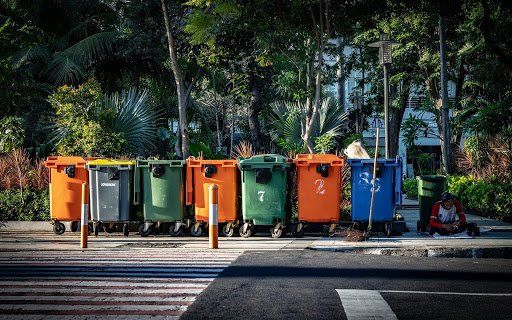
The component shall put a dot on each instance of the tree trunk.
(395, 118)
(180, 84)
(445, 115)
(340, 75)
(255, 107)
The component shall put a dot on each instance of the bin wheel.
(325, 232)
(388, 228)
(90, 228)
(146, 232)
(126, 229)
(59, 228)
(108, 229)
(196, 231)
(96, 230)
(228, 230)
(299, 233)
(248, 232)
(174, 232)
(276, 232)
(74, 226)
(418, 226)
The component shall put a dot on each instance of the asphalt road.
(302, 285)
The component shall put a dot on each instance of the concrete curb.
(438, 252)
(32, 226)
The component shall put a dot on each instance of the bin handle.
(189, 186)
(136, 186)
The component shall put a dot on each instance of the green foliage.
(492, 199)
(29, 206)
(411, 129)
(12, 134)
(198, 148)
(410, 187)
(288, 121)
(94, 124)
(325, 143)
(425, 164)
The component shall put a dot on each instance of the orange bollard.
(213, 218)
(85, 221)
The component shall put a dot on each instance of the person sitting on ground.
(443, 219)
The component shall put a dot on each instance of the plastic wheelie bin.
(159, 187)
(200, 175)
(318, 190)
(67, 174)
(264, 190)
(430, 189)
(388, 192)
(110, 193)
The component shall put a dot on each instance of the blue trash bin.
(388, 191)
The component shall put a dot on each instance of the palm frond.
(134, 119)
(69, 66)
(331, 119)
(34, 53)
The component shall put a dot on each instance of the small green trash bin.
(159, 188)
(264, 190)
(110, 193)
(430, 189)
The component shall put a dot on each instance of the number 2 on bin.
(320, 186)
(261, 194)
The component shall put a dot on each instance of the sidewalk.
(495, 235)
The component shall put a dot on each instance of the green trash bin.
(430, 189)
(110, 193)
(264, 190)
(159, 188)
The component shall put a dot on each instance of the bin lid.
(110, 162)
(152, 161)
(431, 178)
(264, 161)
(386, 162)
(198, 162)
(307, 159)
(54, 161)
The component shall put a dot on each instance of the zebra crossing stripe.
(116, 284)
(365, 304)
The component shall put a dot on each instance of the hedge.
(492, 199)
(34, 207)
(410, 187)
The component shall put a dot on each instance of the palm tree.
(288, 121)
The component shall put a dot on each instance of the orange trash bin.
(318, 190)
(67, 174)
(200, 175)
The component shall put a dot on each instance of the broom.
(372, 201)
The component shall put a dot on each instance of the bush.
(12, 134)
(410, 187)
(492, 198)
(27, 206)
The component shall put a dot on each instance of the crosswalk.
(156, 283)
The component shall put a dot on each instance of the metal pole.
(386, 110)
(213, 217)
(85, 218)
(445, 115)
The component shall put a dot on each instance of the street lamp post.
(385, 46)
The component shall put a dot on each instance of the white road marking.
(365, 304)
(133, 284)
(450, 293)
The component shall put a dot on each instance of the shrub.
(12, 134)
(410, 187)
(27, 206)
(492, 198)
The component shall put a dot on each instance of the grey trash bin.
(110, 193)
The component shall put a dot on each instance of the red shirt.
(437, 221)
